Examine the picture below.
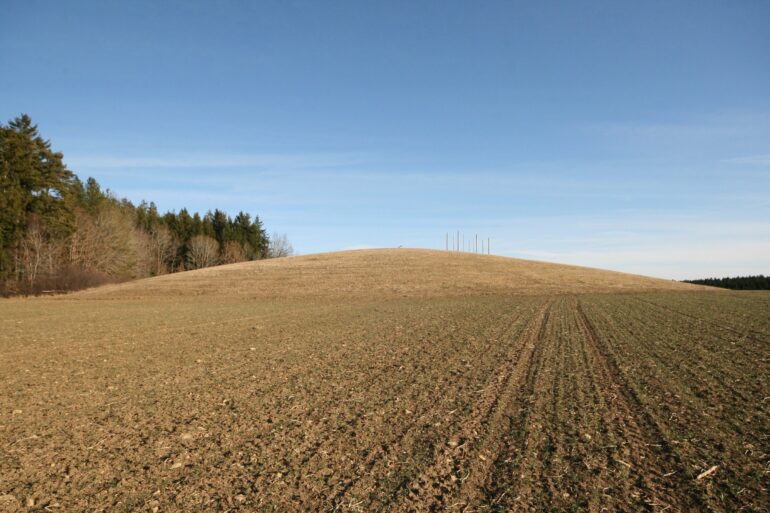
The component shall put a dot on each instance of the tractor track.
(655, 468)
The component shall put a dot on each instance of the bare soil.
(393, 381)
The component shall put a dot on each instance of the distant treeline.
(58, 233)
(759, 282)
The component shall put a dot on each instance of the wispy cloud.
(750, 160)
(671, 246)
(218, 160)
(715, 258)
(718, 125)
(667, 131)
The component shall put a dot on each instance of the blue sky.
(627, 135)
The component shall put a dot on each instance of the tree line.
(58, 233)
(758, 282)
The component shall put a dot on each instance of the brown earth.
(397, 380)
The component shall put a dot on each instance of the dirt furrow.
(501, 480)
(330, 474)
(462, 462)
(662, 346)
(735, 440)
(654, 468)
(742, 331)
(663, 338)
(377, 470)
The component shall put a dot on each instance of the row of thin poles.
(458, 243)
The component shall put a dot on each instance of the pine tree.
(220, 224)
(257, 239)
(59, 233)
(36, 187)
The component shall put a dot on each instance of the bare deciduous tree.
(279, 246)
(203, 252)
(233, 253)
(37, 254)
(162, 246)
(144, 258)
(104, 244)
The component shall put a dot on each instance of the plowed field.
(464, 390)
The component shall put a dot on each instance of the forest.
(58, 233)
(758, 282)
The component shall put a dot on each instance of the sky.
(632, 136)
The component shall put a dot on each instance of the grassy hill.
(386, 272)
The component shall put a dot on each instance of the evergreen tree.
(206, 225)
(258, 239)
(36, 186)
(94, 199)
(220, 225)
(57, 232)
(759, 282)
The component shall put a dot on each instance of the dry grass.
(386, 273)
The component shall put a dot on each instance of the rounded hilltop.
(386, 272)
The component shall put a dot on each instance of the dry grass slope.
(387, 272)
